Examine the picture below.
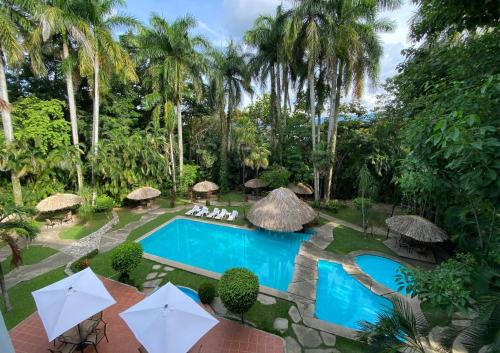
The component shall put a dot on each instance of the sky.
(222, 20)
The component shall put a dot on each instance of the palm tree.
(11, 53)
(109, 57)
(59, 20)
(258, 158)
(170, 126)
(229, 76)
(398, 330)
(13, 220)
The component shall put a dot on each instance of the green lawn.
(237, 196)
(351, 215)
(31, 255)
(22, 300)
(85, 228)
(164, 202)
(346, 240)
(126, 216)
(147, 227)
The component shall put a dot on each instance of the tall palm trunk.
(3, 289)
(332, 130)
(9, 131)
(179, 137)
(223, 168)
(285, 93)
(278, 111)
(312, 107)
(95, 126)
(72, 116)
(172, 159)
(273, 102)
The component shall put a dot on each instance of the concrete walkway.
(103, 239)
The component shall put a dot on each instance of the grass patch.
(236, 196)
(22, 300)
(31, 255)
(347, 240)
(85, 228)
(349, 346)
(186, 279)
(155, 223)
(164, 202)
(375, 218)
(126, 216)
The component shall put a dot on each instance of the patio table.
(79, 334)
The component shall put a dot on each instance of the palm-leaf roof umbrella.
(168, 321)
(58, 202)
(282, 211)
(66, 303)
(256, 184)
(301, 189)
(144, 193)
(417, 228)
(205, 186)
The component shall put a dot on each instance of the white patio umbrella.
(68, 302)
(168, 321)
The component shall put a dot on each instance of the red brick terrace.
(227, 337)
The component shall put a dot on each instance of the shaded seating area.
(58, 209)
(144, 196)
(256, 185)
(205, 187)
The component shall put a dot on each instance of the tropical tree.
(109, 57)
(13, 221)
(258, 158)
(228, 79)
(59, 20)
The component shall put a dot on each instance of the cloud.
(239, 15)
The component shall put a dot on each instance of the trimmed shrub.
(83, 262)
(276, 176)
(358, 203)
(206, 292)
(238, 289)
(333, 205)
(103, 203)
(125, 258)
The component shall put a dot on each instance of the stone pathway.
(154, 278)
(103, 239)
(338, 221)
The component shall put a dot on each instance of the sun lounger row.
(198, 211)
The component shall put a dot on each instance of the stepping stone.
(218, 306)
(322, 350)
(294, 314)
(152, 284)
(280, 324)
(151, 275)
(305, 289)
(328, 338)
(168, 268)
(292, 345)
(307, 337)
(157, 267)
(266, 300)
(161, 275)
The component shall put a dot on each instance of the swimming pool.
(381, 269)
(191, 293)
(216, 248)
(342, 300)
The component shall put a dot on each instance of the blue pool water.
(381, 269)
(216, 248)
(342, 300)
(190, 293)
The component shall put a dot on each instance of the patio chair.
(95, 337)
(232, 216)
(203, 212)
(97, 317)
(214, 213)
(195, 208)
(68, 217)
(222, 214)
(141, 349)
(49, 223)
(64, 348)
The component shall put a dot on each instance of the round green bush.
(238, 289)
(103, 203)
(206, 292)
(125, 258)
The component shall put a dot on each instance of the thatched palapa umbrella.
(144, 193)
(256, 184)
(59, 202)
(301, 189)
(417, 228)
(205, 186)
(282, 211)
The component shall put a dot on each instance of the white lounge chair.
(222, 214)
(202, 212)
(214, 213)
(195, 208)
(232, 216)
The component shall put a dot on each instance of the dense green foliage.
(83, 262)
(125, 258)
(238, 289)
(206, 292)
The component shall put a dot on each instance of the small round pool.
(190, 293)
(381, 269)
